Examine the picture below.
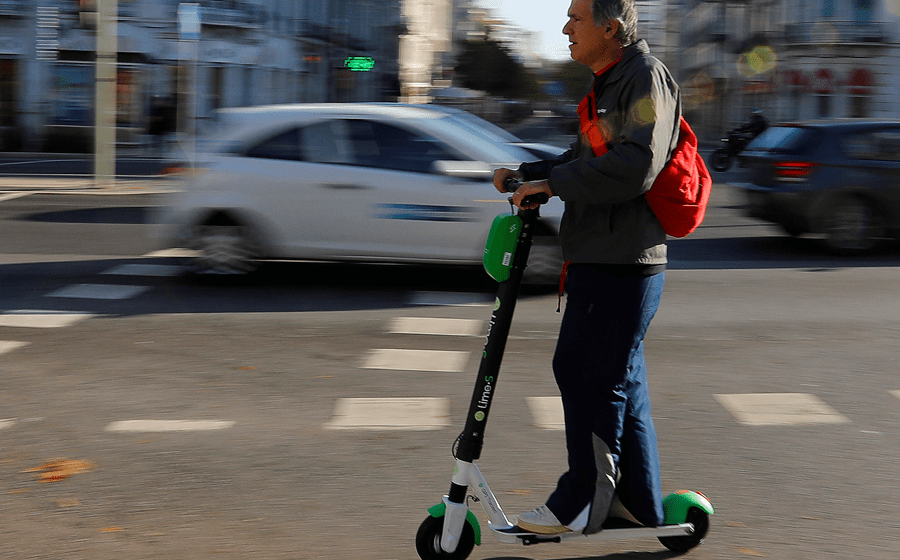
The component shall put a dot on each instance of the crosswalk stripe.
(779, 409)
(174, 252)
(143, 426)
(446, 361)
(145, 270)
(437, 326)
(98, 291)
(390, 414)
(11, 196)
(547, 412)
(32, 318)
(10, 345)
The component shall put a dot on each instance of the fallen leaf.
(60, 469)
(751, 552)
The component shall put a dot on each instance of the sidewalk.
(87, 185)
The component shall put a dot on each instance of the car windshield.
(778, 138)
(483, 128)
(478, 142)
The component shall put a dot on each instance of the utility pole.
(105, 100)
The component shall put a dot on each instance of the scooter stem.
(471, 440)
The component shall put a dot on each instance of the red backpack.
(680, 193)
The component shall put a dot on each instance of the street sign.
(359, 63)
(189, 22)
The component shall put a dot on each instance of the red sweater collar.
(610, 65)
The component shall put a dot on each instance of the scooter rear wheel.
(700, 520)
(428, 541)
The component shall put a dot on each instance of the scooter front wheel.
(700, 520)
(428, 541)
(721, 160)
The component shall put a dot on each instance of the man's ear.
(612, 27)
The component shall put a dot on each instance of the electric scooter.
(451, 530)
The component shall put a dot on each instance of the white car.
(352, 182)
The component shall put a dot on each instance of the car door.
(877, 168)
(283, 189)
(384, 201)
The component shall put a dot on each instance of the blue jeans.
(601, 374)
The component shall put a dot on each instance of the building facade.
(249, 52)
(792, 59)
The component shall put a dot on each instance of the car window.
(385, 146)
(325, 142)
(880, 145)
(285, 145)
(779, 138)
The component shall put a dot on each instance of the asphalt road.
(144, 414)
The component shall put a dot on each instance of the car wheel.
(544, 262)
(223, 246)
(852, 226)
(721, 160)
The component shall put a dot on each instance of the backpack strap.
(592, 128)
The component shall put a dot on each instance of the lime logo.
(496, 304)
(479, 416)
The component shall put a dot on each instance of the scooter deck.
(630, 532)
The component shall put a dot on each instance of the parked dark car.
(836, 179)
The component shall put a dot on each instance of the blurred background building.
(792, 59)
(250, 52)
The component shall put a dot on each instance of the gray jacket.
(607, 219)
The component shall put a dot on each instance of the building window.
(862, 10)
(823, 103)
(859, 106)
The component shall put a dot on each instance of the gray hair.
(622, 11)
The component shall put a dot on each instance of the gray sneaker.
(541, 521)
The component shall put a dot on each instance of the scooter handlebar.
(511, 184)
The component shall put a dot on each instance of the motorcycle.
(735, 142)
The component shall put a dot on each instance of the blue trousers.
(600, 370)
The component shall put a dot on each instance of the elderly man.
(616, 256)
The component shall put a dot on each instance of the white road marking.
(10, 345)
(98, 291)
(547, 412)
(145, 270)
(437, 326)
(449, 298)
(390, 414)
(173, 252)
(780, 409)
(6, 423)
(144, 426)
(11, 196)
(447, 361)
(31, 318)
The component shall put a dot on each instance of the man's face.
(589, 44)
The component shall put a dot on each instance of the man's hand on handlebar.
(507, 180)
(503, 174)
(528, 196)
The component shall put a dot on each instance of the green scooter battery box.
(500, 247)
